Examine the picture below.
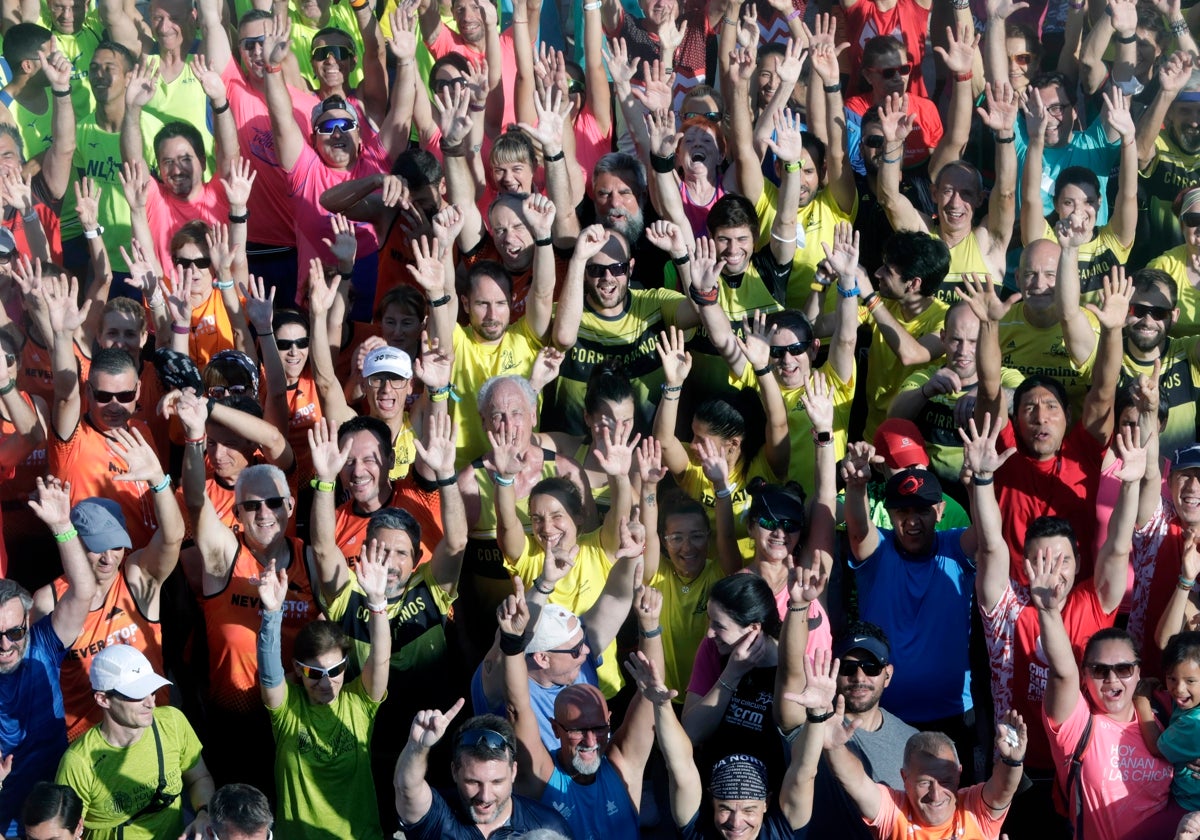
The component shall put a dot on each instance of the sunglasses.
(893, 72)
(850, 667)
(248, 44)
(16, 634)
(219, 392)
(1190, 219)
(316, 673)
(874, 141)
(440, 85)
(1022, 59)
(339, 52)
(711, 116)
(105, 397)
(189, 262)
(1141, 310)
(797, 349)
(286, 344)
(573, 652)
(487, 738)
(575, 87)
(788, 526)
(598, 270)
(273, 503)
(1101, 670)
(342, 124)
(580, 734)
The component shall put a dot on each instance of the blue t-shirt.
(595, 811)
(442, 821)
(33, 727)
(540, 698)
(924, 606)
(1090, 148)
(775, 826)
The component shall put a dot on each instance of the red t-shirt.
(927, 124)
(907, 22)
(1157, 562)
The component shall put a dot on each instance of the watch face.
(824, 437)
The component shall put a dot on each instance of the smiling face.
(607, 294)
(228, 452)
(1183, 125)
(67, 16)
(686, 539)
(113, 413)
(513, 177)
(792, 369)
(365, 475)
(127, 713)
(724, 631)
(767, 79)
(1060, 114)
(334, 140)
(12, 616)
(324, 689)
(187, 271)
(931, 784)
(1078, 198)
(387, 394)
(250, 47)
(1183, 683)
(862, 692)
(553, 526)
(485, 788)
(887, 75)
(1185, 495)
(1041, 422)
(617, 204)
(511, 237)
(773, 546)
(121, 330)
(488, 309)
(739, 819)
(915, 527)
(178, 166)
(469, 20)
(583, 735)
(264, 526)
(400, 555)
(699, 153)
(735, 245)
(1038, 274)
(333, 61)
(295, 358)
(1111, 694)
(173, 24)
(1021, 57)
(108, 76)
(957, 195)
(1150, 318)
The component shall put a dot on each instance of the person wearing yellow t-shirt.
(1183, 264)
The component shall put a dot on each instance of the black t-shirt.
(444, 821)
(775, 826)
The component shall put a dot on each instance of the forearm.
(39, 249)
(57, 167)
(701, 719)
(558, 186)
(856, 512)
(1033, 220)
(270, 661)
(789, 679)
(341, 197)
(131, 135)
(1174, 617)
(510, 533)
(1091, 55)
(907, 349)
(378, 666)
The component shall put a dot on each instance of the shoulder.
(529, 815)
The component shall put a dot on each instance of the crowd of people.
(602, 418)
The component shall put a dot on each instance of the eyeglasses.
(1141, 310)
(379, 380)
(797, 349)
(598, 270)
(10, 256)
(189, 262)
(219, 392)
(696, 538)
(1055, 109)
(573, 652)
(1190, 219)
(579, 734)
(338, 51)
(273, 503)
(487, 738)
(342, 124)
(316, 673)
(574, 86)
(248, 44)
(440, 85)
(1021, 59)
(788, 526)
(1101, 670)
(105, 397)
(892, 72)
(286, 344)
(16, 634)
(874, 141)
(711, 116)
(869, 667)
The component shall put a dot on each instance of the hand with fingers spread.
(1048, 584)
(824, 60)
(824, 31)
(820, 682)
(748, 33)
(549, 130)
(344, 245)
(51, 503)
(403, 43)
(453, 115)
(742, 67)
(509, 453)
(671, 33)
(142, 85)
(141, 461)
(756, 346)
(278, 41)
(478, 84)
(650, 683)
(620, 66)
(978, 292)
(221, 251)
(712, 462)
(260, 304)
(87, 204)
(372, 571)
(1114, 300)
(546, 366)
(649, 462)
(817, 399)
(1174, 74)
(239, 183)
(676, 361)
(963, 44)
(1132, 454)
(980, 454)
(614, 454)
(426, 268)
(210, 80)
(843, 256)
(632, 540)
(135, 183)
(61, 295)
(791, 63)
(894, 119)
(435, 363)
(1000, 107)
(788, 141)
(1116, 114)
(707, 267)
(322, 290)
(656, 94)
(327, 458)
(141, 275)
(437, 449)
(660, 126)
(1036, 116)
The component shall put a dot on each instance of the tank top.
(965, 258)
(117, 621)
(599, 494)
(232, 618)
(395, 252)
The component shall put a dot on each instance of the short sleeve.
(1180, 742)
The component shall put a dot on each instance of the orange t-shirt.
(350, 529)
(972, 819)
(232, 618)
(119, 620)
(304, 412)
(84, 460)
(211, 331)
(36, 375)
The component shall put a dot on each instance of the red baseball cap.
(900, 444)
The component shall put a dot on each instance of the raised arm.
(1180, 608)
(57, 165)
(322, 293)
(1000, 116)
(991, 554)
(684, 785)
(615, 457)
(214, 38)
(143, 83)
(1012, 739)
(846, 766)
(839, 172)
(1099, 406)
(788, 147)
(396, 125)
(506, 462)
(216, 543)
(1081, 339)
(535, 763)
(1119, 121)
(843, 259)
(327, 461)
(60, 295)
(414, 796)
(716, 470)
(677, 364)
(551, 107)
(1048, 592)
(796, 792)
(1173, 75)
(1033, 220)
(437, 450)
(372, 572)
(959, 57)
(87, 206)
(456, 123)
(897, 125)
(52, 504)
(605, 617)
(756, 347)
(856, 472)
(570, 303)
(29, 429)
(148, 569)
(272, 592)
(978, 292)
(792, 677)
(995, 53)
(746, 160)
(289, 139)
(1112, 564)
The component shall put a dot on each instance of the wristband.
(552, 158)
(8, 389)
(728, 21)
(537, 581)
(663, 164)
(66, 92)
(592, 7)
(874, 304)
(452, 149)
(223, 285)
(162, 485)
(1012, 762)
(800, 609)
(1179, 27)
(30, 217)
(220, 109)
(982, 482)
(732, 689)
(897, 159)
(727, 492)
(240, 220)
(66, 536)
(1002, 140)
(272, 68)
(793, 166)
(542, 243)
(200, 441)
(821, 718)
(848, 293)
(650, 634)
(964, 77)
(795, 14)
(708, 298)
(501, 481)
(833, 88)
(440, 394)
(680, 261)
(203, 807)
(866, 301)
(321, 486)
(1125, 39)
(356, 5)
(1186, 582)
(762, 371)
(258, 334)
(92, 234)
(671, 389)
(180, 329)
(447, 482)
(377, 609)
(442, 301)
(511, 644)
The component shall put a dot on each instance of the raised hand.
(856, 466)
(788, 142)
(403, 42)
(52, 503)
(272, 586)
(649, 681)
(1114, 306)
(706, 268)
(742, 66)
(660, 126)
(843, 256)
(87, 204)
(817, 399)
(260, 303)
(1116, 113)
(453, 115)
(632, 542)
(433, 366)
(1190, 565)
(1035, 113)
(756, 346)
(327, 458)
(824, 61)
(620, 66)
(649, 461)
(191, 410)
(978, 292)
(549, 129)
(143, 82)
(344, 245)
(676, 361)
(671, 33)
(141, 461)
(1146, 394)
(447, 225)
(657, 93)
(615, 454)
(478, 85)
(135, 183)
(141, 275)
(894, 119)
(820, 675)
(372, 572)
(426, 268)
(647, 605)
(712, 462)
(1132, 454)
(963, 44)
(429, 726)
(61, 295)
(1123, 14)
(791, 63)
(322, 290)
(667, 236)
(1000, 106)
(999, 10)
(221, 251)
(1047, 585)
(546, 367)
(1176, 71)
(210, 80)
(278, 41)
(979, 446)
(56, 67)
(591, 242)
(538, 211)
(512, 615)
(239, 183)
(1012, 736)
(509, 452)
(438, 448)
(1073, 231)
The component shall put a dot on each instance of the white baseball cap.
(126, 670)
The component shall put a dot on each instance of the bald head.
(580, 706)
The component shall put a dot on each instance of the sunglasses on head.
(219, 392)
(342, 124)
(797, 349)
(315, 672)
(892, 72)
(572, 652)
(273, 503)
(598, 270)
(487, 738)
(339, 52)
(1101, 670)
(711, 116)
(16, 634)
(1190, 219)
(1141, 310)
(286, 344)
(770, 523)
(105, 397)
(1022, 59)
(248, 44)
(192, 262)
(869, 667)
(874, 141)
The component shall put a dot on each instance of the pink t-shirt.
(590, 144)
(449, 41)
(820, 636)
(1126, 790)
(270, 202)
(897, 820)
(167, 213)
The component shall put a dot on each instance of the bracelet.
(8, 389)
(800, 609)
(848, 293)
(452, 149)
(203, 807)
(592, 7)
(1002, 140)
(30, 217)
(821, 718)
(792, 166)
(511, 644)
(440, 394)
(983, 482)
(442, 301)
(542, 243)
(447, 482)
(552, 158)
(66, 92)
(1186, 582)
(92, 234)
(708, 298)
(732, 689)
(501, 481)
(866, 301)
(833, 88)
(960, 4)
(727, 21)
(662, 164)
(727, 492)
(258, 334)
(220, 109)
(964, 77)
(322, 486)
(239, 220)
(650, 634)
(1125, 39)
(762, 371)
(1012, 762)
(897, 159)
(536, 585)
(200, 441)
(671, 389)
(1179, 27)
(874, 304)
(180, 329)
(378, 609)
(223, 285)
(66, 536)
(795, 14)
(681, 261)
(162, 485)
(272, 68)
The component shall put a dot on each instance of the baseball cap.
(8, 242)
(777, 502)
(1187, 458)
(555, 627)
(101, 525)
(876, 647)
(900, 444)
(739, 776)
(176, 370)
(333, 103)
(387, 360)
(912, 488)
(125, 669)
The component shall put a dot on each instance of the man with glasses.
(33, 735)
(887, 69)
(239, 812)
(484, 770)
(133, 769)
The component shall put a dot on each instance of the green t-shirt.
(78, 49)
(342, 17)
(183, 100)
(117, 782)
(323, 765)
(35, 129)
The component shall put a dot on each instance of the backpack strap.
(158, 800)
(1074, 786)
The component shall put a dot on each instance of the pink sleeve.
(885, 820)
(706, 669)
(443, 44)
